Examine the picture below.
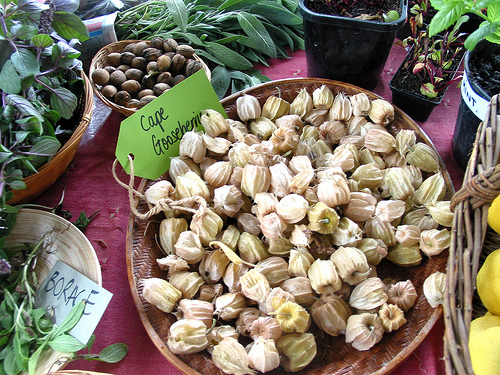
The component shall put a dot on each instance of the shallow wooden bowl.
(335, 357)
(64, 242)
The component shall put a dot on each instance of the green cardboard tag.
(152, 134)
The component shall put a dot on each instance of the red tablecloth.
(89, 186)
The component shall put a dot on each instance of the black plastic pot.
(473, 107)
(417, 106)
(347, 49)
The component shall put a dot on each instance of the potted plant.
(42, 88)
(481, 66)
(350, 40)
(428, 69)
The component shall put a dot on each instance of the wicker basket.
(37, 183)
(334, 357)
(472, 241)
(100, 60)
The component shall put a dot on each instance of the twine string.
(165, 204)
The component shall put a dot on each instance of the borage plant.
(431, 59)
(40, 84)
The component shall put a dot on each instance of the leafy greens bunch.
(40, 84)
(27, 331)
(450, 11)
(229, 35)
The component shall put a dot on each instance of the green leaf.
(6, 50)
(428, 90)
(46, 146)
(82, 222)
(25, 62)
(256, 30)
(72, 318)
(221, 80)
(228, 57)
(446, 16)
(30, 124)
(113, 353)
(23, 32)
(10, 364)
(483, 31)
(33, 361)
(437, 4)
(64, 102)
(23, 106)
(65, 343)
(178, 11)
(10, 82)
(494, 12)
(69, 26)
(42, 40)
(276, 13)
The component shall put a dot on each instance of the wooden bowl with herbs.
(128, 74)
(61, 240)
(269, 251)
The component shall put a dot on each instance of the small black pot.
(417, 106)
(473, 107)
(347, 49)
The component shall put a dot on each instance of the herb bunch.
(25, 330)
(229, 35)
(40, 84)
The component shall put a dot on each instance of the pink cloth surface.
(89, 186)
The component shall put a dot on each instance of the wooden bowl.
(66, 243)
(335, 357)
(37, 183)
(100, 60)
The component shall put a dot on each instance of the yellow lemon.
(488, 282)
(494, 215)
(484, 345)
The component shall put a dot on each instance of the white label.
(476, 103)
(63, 288)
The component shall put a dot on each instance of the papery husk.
(368, 294)
(229, 305)
(364, 331)
(330, 313)
(187, 336)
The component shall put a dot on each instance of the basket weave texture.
(334, 357)
(472, 240)
(100, 60)
(37, 183)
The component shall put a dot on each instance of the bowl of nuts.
(128, 74)
(294, 236)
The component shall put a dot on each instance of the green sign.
(152, 134)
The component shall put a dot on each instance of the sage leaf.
(256, 30)
(179, 13)
(64, 102)
(228, 57)
(113, 353)
(23, 106)
(10, 82)
(65, 343)
(275, 13)
(25, 62)
(69, 26)
(221, 80)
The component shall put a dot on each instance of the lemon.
(488, 282)
(484, 345)
(494, 215)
